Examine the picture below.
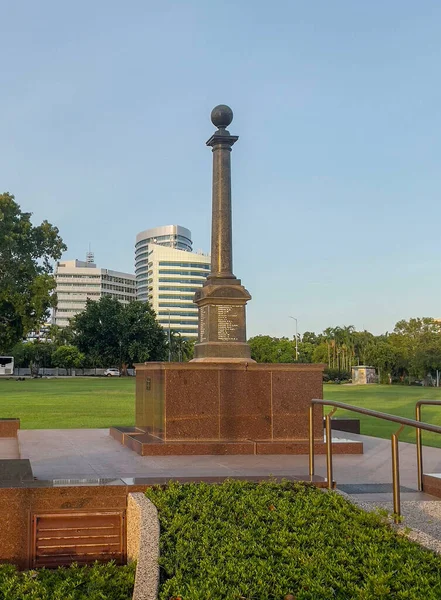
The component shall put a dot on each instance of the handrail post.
(329, 448)
(403, 421)
(396, 475)
(419, 445)
(311, 440)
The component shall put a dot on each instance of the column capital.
(222, 138)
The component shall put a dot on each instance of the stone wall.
(143, 545)
(19, 504)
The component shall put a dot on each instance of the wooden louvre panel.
(64, 538)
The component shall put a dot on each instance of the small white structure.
(362, 375)
(6, 365)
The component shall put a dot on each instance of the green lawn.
(69, 403)
(392, 399)
(103, 402)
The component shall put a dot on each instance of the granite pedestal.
(226, 408)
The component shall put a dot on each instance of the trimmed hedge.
(98, 582)
(248, 541)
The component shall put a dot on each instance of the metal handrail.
(371, 413)
(419, 442)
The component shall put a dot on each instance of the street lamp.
(169, 336)
(297, 341)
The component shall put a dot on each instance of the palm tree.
(347, 336)
(328, 333)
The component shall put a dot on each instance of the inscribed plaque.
(229, 322)
(203, 322)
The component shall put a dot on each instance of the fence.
(58, 372)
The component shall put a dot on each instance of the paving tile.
(73, 452)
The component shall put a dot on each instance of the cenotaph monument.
(223, 402)
(222, 299)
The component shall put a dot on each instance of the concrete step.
(9, 448)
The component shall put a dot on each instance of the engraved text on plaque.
(203, 321)
(228, 323)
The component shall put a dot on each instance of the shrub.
(71, 583)
(336, 375)
(241, 540)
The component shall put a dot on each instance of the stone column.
(221, 226)
(222, 299)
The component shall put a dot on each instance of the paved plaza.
(92, 453)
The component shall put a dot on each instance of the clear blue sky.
(104, 114)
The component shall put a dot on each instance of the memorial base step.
(146, 444)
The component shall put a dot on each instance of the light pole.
(169, 337)
(297, 341)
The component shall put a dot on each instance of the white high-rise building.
(168, 274)
(173, 276)
(79, 280)
(172, 236)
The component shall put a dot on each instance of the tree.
(306, 351)
(321, 353)
(262, 348)
(385, 358)
(267, 349)
(26, 284)
(416, 327)
(60, 336)
(427, 360)
(411, 339)
(311, 338)
(110, 333)
(362, 341)
(142, 337)
(413, 350)
(182, 349)
(98, 331)
(33, 355)
(68, 357)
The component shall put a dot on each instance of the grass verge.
(69, 403)
(72, 583)
(393, 399)
(246, 541)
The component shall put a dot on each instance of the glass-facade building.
(171, 236)
(168, 274)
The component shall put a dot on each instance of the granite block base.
(9, 428)
(432, 484)
(146, 444)
(226, 402)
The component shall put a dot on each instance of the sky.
(105, 111)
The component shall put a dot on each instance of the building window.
(174, 297)
(175, 288)
(202, 274)
(177, 321)
(174, 305)
(185, 264)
